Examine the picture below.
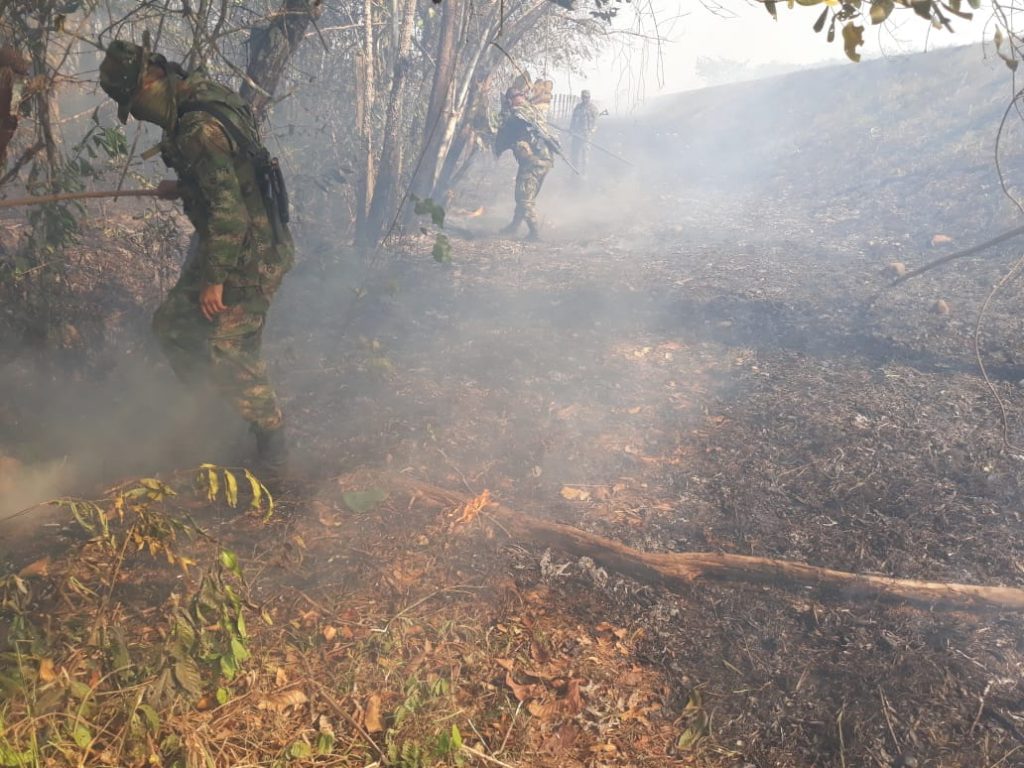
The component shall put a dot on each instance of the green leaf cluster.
(428, 207)
(442, 248)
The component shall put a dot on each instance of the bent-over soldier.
(523, 131)
(211, 322)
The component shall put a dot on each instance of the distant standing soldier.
(581, 127)
(210, 324)
(523, 130)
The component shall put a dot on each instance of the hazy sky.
(633, 70)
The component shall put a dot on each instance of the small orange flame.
(474, 507)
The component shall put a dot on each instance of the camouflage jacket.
(524, 131)
(584, 119)
(218, 186)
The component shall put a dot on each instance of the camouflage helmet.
(121, 74)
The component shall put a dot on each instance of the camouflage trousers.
(529, 180)
(224, 353)
(580, 153)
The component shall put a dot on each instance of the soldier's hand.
(168, 190)
(211, 301)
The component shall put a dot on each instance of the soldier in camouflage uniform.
(524, 131)
(582, 126)
(211, 322)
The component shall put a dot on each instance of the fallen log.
(677, 571)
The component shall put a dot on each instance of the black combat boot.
(272, 451)
(534, 234)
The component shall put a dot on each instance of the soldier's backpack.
(267, 170)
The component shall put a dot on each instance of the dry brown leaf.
(420, 657)
(280, 677)
(897, 268)
(506, 664)
(543, 710)
(371, 717)
(940, 307)
(47, 671)
(521, 692)
(563, 739)
(539, 653)
(40, 567)
(329, 633)
(575, 494)
(327, 515)
(941, 239)
(634, 677)
(573, 703)
(283, 700)
(403, 579)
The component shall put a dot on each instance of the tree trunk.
(385, 189)
(677, 571)
(366, 90)
(271, 47)
(440, 98)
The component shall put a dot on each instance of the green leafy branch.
(442, 250)
(92, 686)
(214, 480)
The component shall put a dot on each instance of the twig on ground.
(485, 757)
(888, 719)
(981, 708)
(842, 740)
(325, 694)
(511, 725)
(1005, 757)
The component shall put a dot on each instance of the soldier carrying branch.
(524, 131)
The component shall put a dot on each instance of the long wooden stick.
(678, 570)
(42, 199)
(1007, 235)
